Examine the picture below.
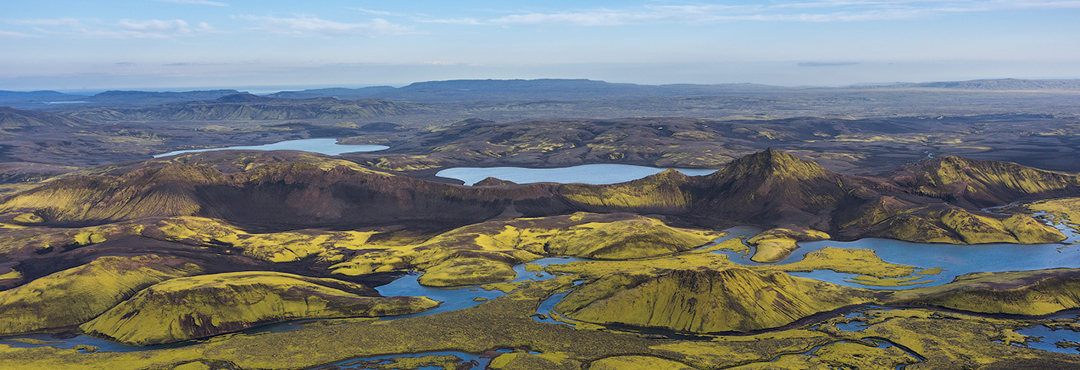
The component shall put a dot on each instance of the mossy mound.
(467, 271)
(202, 306)
(76, 295)
(705, 301)
(633, 237)
(491, 181)
(774, 245)
(637, 363)
(1039, 292)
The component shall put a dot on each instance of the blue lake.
(954, 259)
(596, 174)
(322, 146)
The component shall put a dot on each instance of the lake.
(596, 174)
(321, 146)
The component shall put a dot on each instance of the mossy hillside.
(775, 244)
(74, 296)
(151, 192)
(634, 237)
(775, 188)
(840, 355)
(727, 351)
(274, 247)
(949, 224)
(1028, 230)
(528, 361)
(982, 183)
(41, 239)
(466, 271)
(1031, 293)
(663, 192)
(1064, 210)
(649, 266)
(207, 305)
(950, 341)
(704, 301)
(505, 243)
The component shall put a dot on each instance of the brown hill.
(777, 188)
(15, 119)
(768, 189)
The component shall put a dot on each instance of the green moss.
(774, 245)
(1023, 293)
(466, 271)
(528, 361)
(851, 261)
(74, 296)
(28, 218)
(201, 306)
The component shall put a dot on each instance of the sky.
(87, 45)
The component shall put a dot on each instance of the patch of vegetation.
(207, 305)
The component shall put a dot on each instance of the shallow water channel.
(321, 146)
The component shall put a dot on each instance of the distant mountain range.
(495, 90)
(1008, 84)
(246, 107)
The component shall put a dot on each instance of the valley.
(944, 236)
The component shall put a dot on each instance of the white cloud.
(808, 11)
(153, 28)
(314, 26)
(195, 2)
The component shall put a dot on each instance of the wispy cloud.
(806, 11)
(69, 22)
(827, 64)
(377, 12)
(314, 26)
(195, 2)
(13, 35)
(136, 29)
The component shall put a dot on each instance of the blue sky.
(267, 44)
